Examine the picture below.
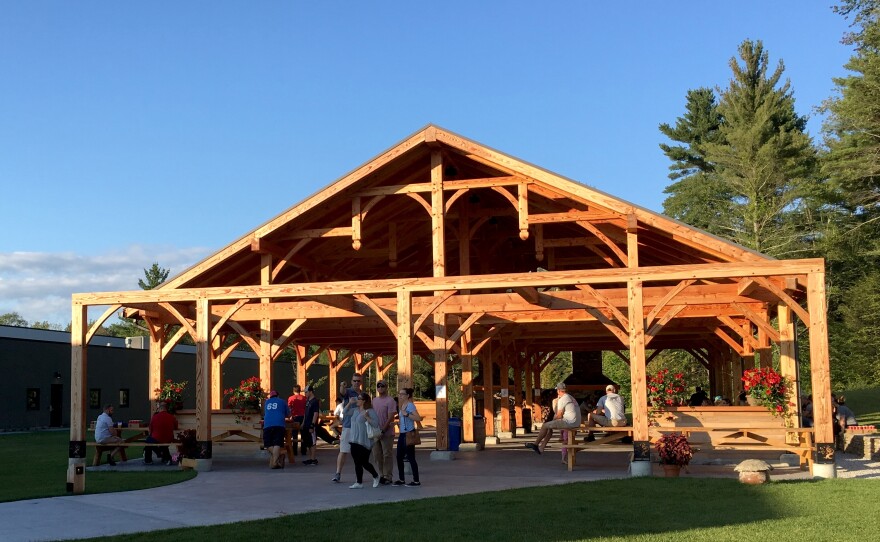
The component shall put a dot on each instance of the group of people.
(371, 449)
(565, 413)
(161, 430)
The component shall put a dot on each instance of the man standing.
(297, 405)
(105, 434)
(610, 411)
(568, 416)
(386, 409)
(275, 414)
(309, 425)
(349, 407)
(162, 427)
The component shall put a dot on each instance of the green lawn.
(35, 465)
(865, 402)
(655, 509)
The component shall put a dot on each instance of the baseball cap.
(310, 388)
(273, 393)
(560, 386)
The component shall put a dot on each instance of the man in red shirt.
(162, 427)
(297, 405)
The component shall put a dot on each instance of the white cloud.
(39, 285)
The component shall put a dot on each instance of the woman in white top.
(408, 416)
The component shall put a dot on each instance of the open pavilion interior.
(447, 249)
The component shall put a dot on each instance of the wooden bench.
(100, 449)
(428, 412)
(709, 439)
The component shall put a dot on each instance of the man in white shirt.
(610, 411)
(567, 416)
(106, 435)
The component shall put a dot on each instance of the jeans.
(410, 453)
(361, 457)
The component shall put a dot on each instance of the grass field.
(638, 509)
(35, 465)
(865, 402)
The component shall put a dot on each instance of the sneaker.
(413, 484)
(150, 462)
(399, 483)
(314, 462)
(385, 481)
(307, 462)
(110, 461)
(337, 477)
(356, 486)
(533, 447)
(375, 482)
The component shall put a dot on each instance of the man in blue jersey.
(275, 412)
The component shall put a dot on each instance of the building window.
(33, 398)
(95, 398)
(123, 397)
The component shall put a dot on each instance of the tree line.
(743, 168)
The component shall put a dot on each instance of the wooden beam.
(529, 294)
(404, 340)
(427, 284)
(318, 233)
(785, 298)
(666, 299)
(655, 329)
(820, 370)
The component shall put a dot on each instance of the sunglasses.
(380, 385)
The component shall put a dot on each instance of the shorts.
(111, 440)
(273, 436)
(560, 424)
(605, 422)
(344, 442)
(308, 436)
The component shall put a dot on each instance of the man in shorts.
(567, 416)
(349, 406)
(106, 435)
(610, 411)
(275, 414)
(309, 425)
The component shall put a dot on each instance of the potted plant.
(665, 390)
(764, 386)
(246, 399)
(171, 393)
(674, 452)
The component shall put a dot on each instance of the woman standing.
(361, 444)
(408, 417)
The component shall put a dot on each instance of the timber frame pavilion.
(444, 248)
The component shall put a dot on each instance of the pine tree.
(698, 197)
(762, 154)
(154, 276)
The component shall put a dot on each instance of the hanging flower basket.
(171, 393)
(666, 390)
(767, 387)
(246, 399)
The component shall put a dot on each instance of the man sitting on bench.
(568, 416)
(105, 434)
(162, 427)
(610, 411)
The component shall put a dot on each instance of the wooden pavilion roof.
(375, 224)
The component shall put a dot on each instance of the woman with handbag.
(364, 423)
(408, 438)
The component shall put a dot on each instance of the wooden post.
(266, 338)
(641, 465)
(632, 240)
(788, 363)
(203, 378)
(441, 367)
(488, 391)
(528, 385)
(517, 392)
(504, 383)
(157, 341)
(467, 388)
(437, 213)
(820, 373)
(404, 340)
(76, 453)
(216, 372)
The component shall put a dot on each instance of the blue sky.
(161, 131)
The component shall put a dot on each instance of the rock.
(753, 471)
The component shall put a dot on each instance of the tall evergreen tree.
(762, 154)
(697, 196)
(154, 276)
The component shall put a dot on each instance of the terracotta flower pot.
(671, 471)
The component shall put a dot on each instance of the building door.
(55, 405)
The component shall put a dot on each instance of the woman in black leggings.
(407, 418)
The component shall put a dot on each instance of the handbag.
(413, 438)
(373, 433)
